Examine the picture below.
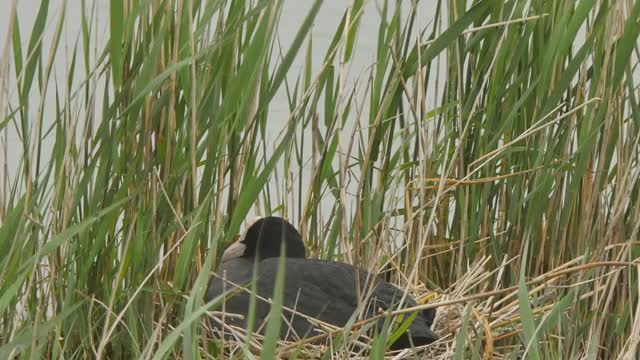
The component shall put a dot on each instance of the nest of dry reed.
(490, 314)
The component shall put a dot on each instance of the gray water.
(293, 14)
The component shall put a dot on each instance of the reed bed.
(486, 161)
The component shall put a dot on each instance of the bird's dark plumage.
(321, 289)
(264, 237)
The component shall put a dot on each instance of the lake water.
(293, 14)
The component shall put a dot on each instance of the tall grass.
(491, 156)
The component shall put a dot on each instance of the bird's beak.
(234, 251)
(237, 248)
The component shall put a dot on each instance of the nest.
(475, 312)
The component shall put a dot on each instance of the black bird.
(324, 290)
